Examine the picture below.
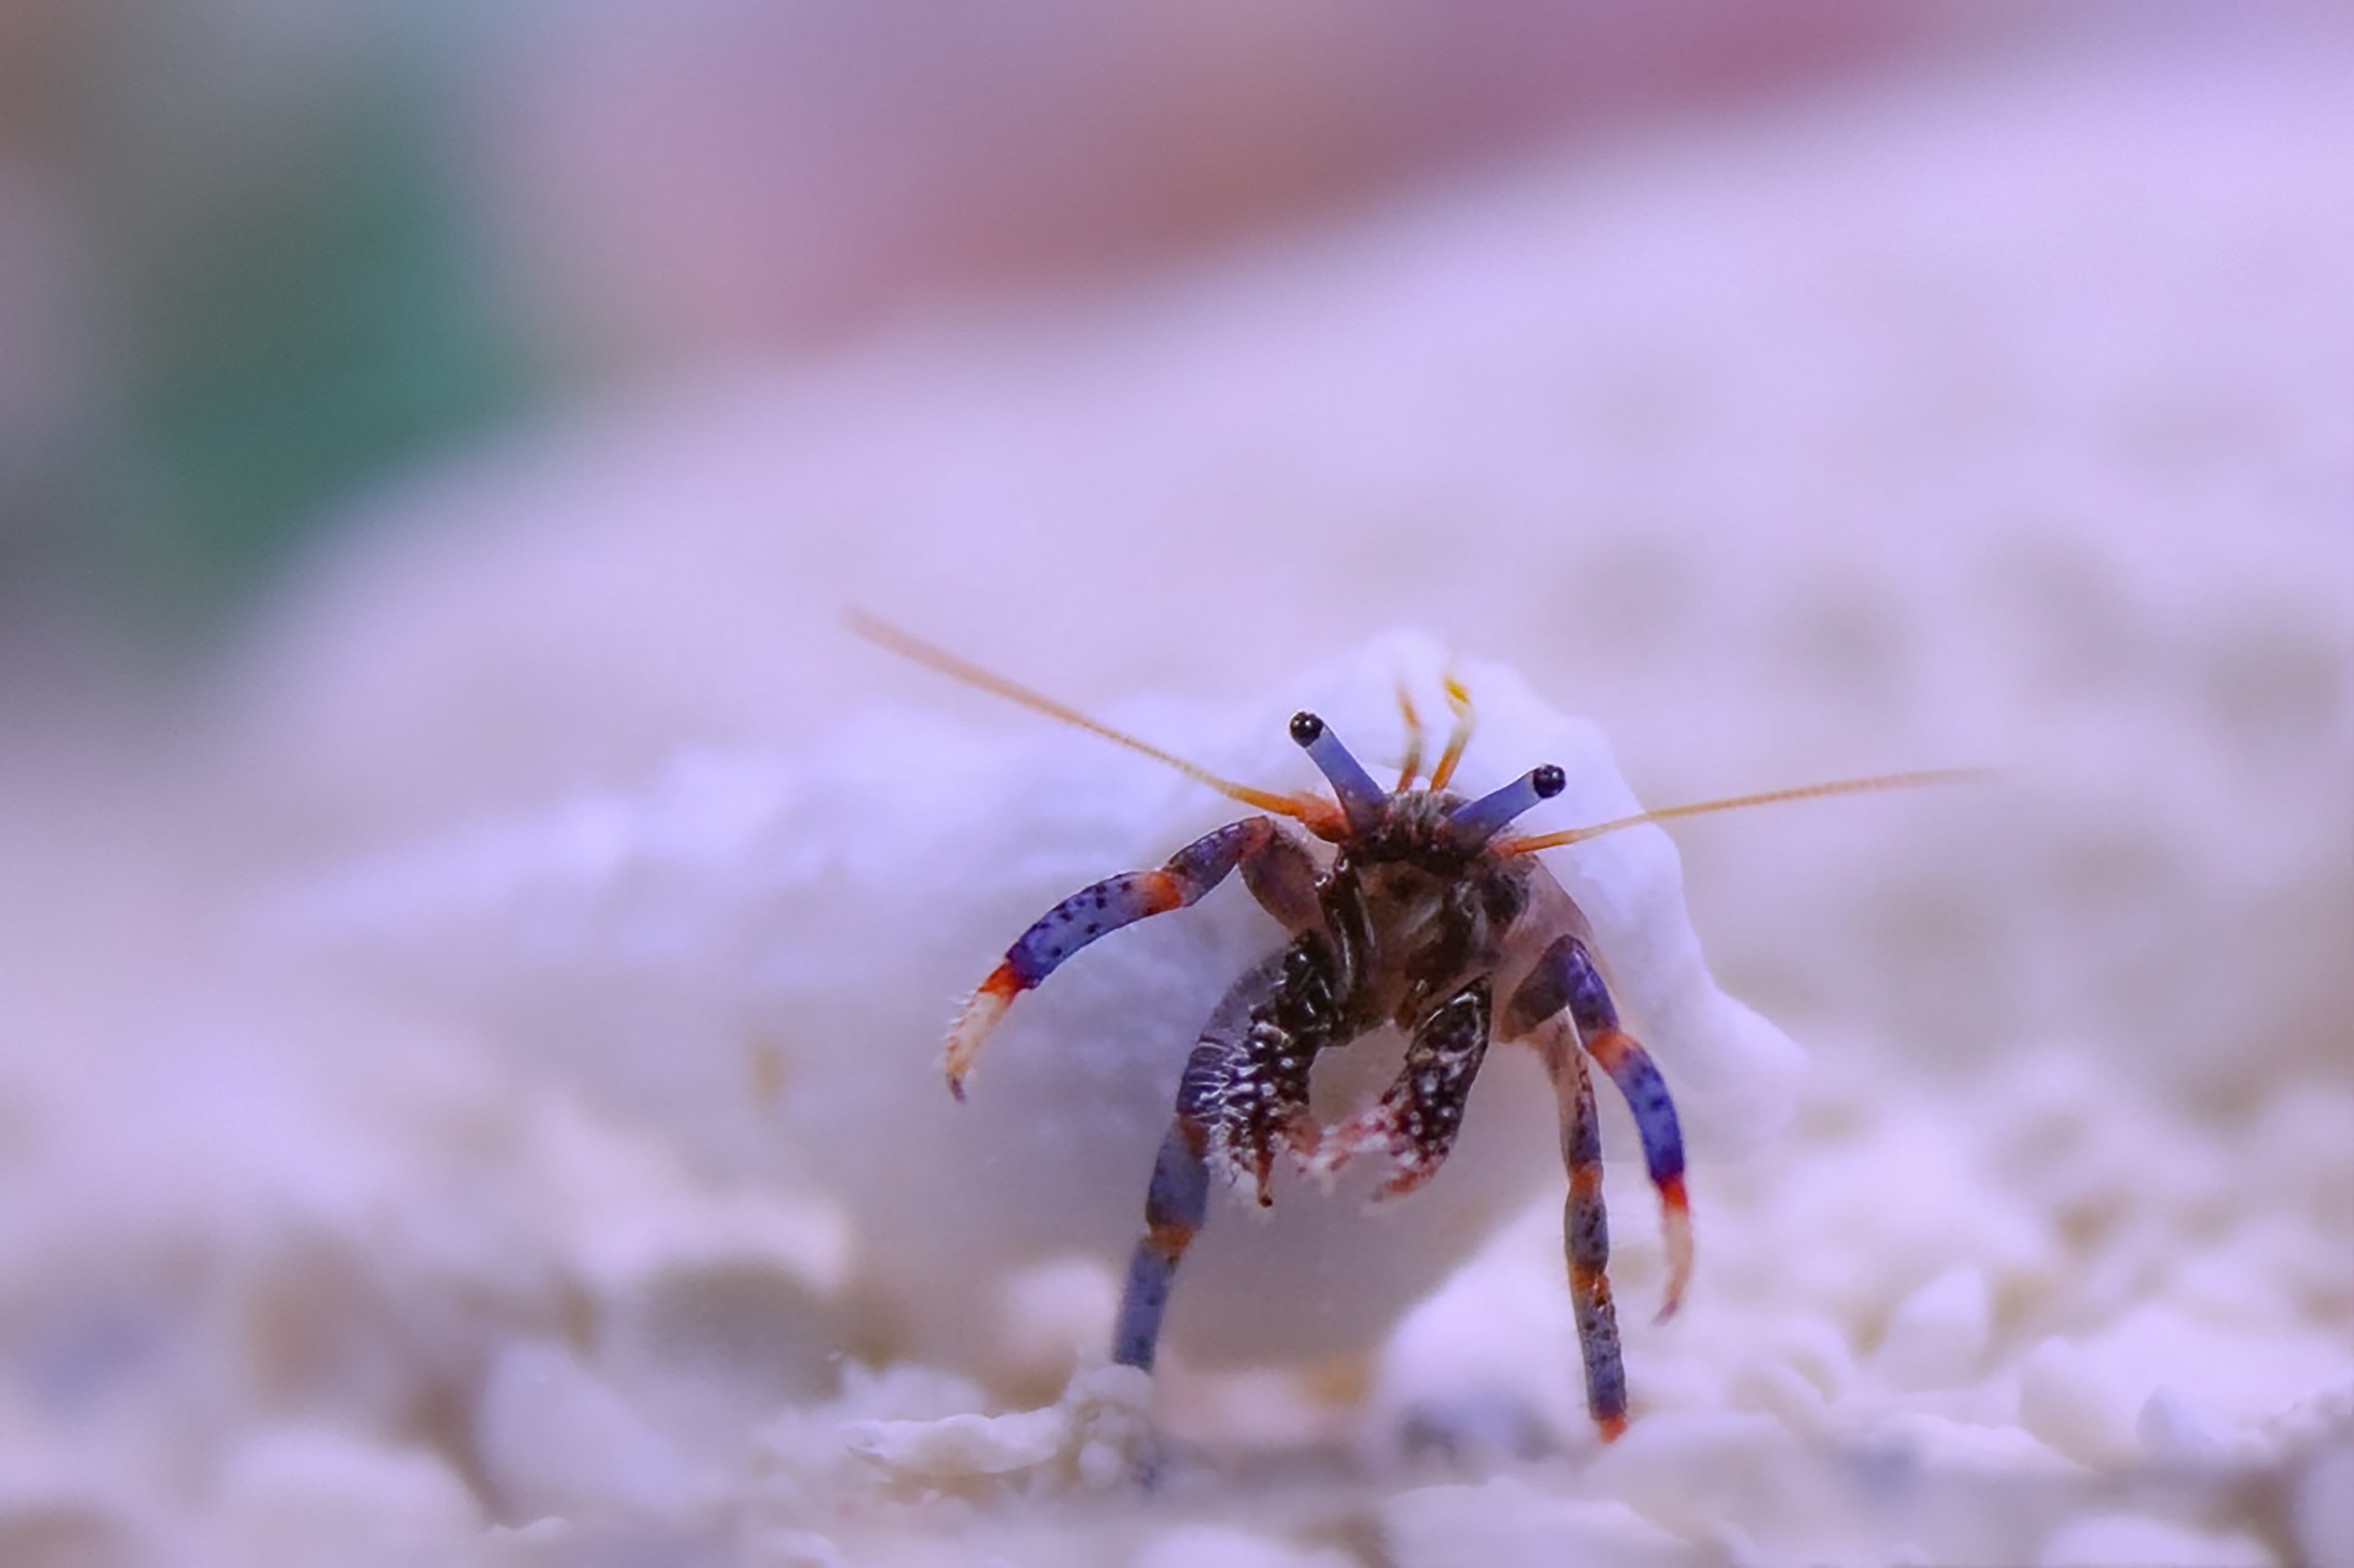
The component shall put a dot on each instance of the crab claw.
(1302, 1138)
(1336, 1149)
(1376, 1132)
(1248, 1155)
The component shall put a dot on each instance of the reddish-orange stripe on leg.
(1163, 890)
(1645, 1093)
(1586, 1236)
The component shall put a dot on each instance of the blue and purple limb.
(1175, 1207)
(1243, 1099)
(1585, 1240)
(1566, 979)
(1416, 1121)
(1278, 871)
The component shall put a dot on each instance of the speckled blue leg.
(1244, 1099)
(1175, 1207)
(1566, 979)
(1585, 1240)
(1278, 871)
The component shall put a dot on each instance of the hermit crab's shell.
(761, 956)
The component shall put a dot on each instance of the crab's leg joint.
(1275, 869)
(1414, 1123)
(1566, 979)
(1175, 1207)
(1361, 799)
(1475, 824)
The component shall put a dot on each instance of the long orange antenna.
(1318, 814)
(1738, 803)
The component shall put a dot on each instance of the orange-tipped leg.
(1585, 1239)
(1175, 1207)
(1676, 1238)
(1565, 980)
(1243, 1098)
(1117, 901)
(1631, 1067)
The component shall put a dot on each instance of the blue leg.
(1244, 1099)
(1278, 871)
(1566, 979)
(1175, 1207)
(1585, 1240)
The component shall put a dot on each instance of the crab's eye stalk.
(1476, 823)
(1361, 799)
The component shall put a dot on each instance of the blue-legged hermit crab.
(1412, 907)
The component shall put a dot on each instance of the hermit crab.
(1413, 909)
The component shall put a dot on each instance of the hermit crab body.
(1411, 908)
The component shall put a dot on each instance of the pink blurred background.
(255, 258)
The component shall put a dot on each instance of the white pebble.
(2124, 1541)
(962, 1447)
(794, 1549)
(1936, 1444)
(1200, 1546)
(300, 1496)
(1686, 1469)
(555, 1440)
(1506, 1523)
(2176, 1429)
(1938, 1336)
(1091, 1439)
(1770, 1385)
(2069, 1400)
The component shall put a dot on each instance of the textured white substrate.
(2054, 1262)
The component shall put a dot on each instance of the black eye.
(1548, 781)
(1307, 728)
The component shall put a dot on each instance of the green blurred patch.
(335, 325)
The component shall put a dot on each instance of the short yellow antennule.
(1413, 721)
(1319, 816)
(1738, 803)
(1459, 698)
